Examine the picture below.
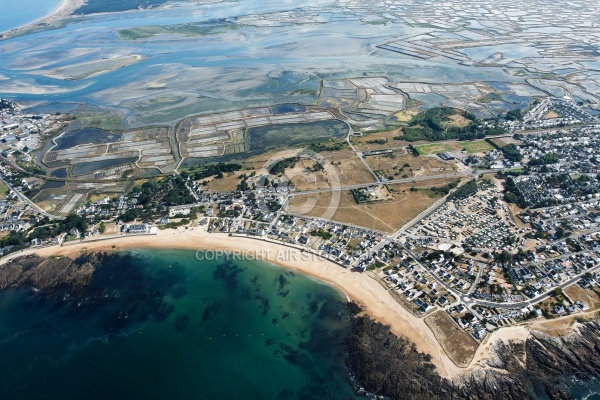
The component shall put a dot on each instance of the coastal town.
(511, 235)
(329, 199)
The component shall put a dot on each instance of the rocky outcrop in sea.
(51, 275)
(388, 365)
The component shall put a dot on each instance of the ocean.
(12, 15)
(158, 324)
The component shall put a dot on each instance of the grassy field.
(304, 177)
(345, 168)
(226, 184)
(457, 344)
(3, 190)
(471, 147)
(476, 146)
(433, 148)
(499, 142)
(406, 115)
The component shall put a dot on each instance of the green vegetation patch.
(511, 153)
(218, 170)
(3, 191)
(549, 158)
(489, 97)
(433, 148)
(514, 115)
(471, 147)
(445, 123)
(466, 190)
(437, 191)
(476, 146)
(155, 195)
(359, 196)
(330, 145)
(322, 234)
(48, 230)
(195, 29)
(175, 225)
(280, 166)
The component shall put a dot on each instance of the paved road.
(70, 179)
(29, 202)
(477, 279)
(542, 297)
(278, 214)
(362, 158)
(469, 301)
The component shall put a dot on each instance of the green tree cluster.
(511, 153)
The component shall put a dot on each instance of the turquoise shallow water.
(159, 324)
(14, 14)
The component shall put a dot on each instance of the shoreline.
(64, 10)
(409, 373)
(376, 301)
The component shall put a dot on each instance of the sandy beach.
(361, 288)
(358, 287)
(64, 10)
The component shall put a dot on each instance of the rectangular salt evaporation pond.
(14, 15)
(284, 135)
(85, 136)
(509, 52)
(94, 166)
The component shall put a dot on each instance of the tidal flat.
(207, 57)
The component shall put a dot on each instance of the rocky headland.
(388, 365)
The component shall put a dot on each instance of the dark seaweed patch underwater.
(159, 324)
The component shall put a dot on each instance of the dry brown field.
(577, 293)
(457, 343)
(458, 120)
(361, 143)
(417, 165)
(386, 216)
(350, 169)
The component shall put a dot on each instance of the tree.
(102, 228)
(243, 186)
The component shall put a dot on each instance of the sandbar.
(64, 10)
